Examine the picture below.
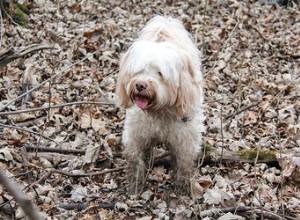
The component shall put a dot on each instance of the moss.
(23, 8)
(20, 17)
(15, 11)
(207, 148)
(263, 155)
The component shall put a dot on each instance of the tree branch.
(55, 106)
(10, 54)
(29, 209)
(55, 150)
(241, 209)
(26, 130)
(65, 173)
(242, 110)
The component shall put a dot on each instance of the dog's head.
(157, 75)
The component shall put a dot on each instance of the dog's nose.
(140, 86)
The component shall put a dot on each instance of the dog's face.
(156, 75)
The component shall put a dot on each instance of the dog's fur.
(160, 85)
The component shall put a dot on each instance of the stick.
(55, 106)
(29, 209)
(242, 110)
(11, 55)
(26, 130)
(44, 82)
(223, 47)
(80, 206)
(65, 173)
(72, 206)
(55, 150)
(216, 212)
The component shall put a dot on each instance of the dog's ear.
(123, 80)
(188, 92)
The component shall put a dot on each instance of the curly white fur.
(160, 85)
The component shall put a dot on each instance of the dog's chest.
(161, 130)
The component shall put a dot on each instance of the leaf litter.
(250, 60)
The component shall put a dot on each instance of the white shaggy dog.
(160, 85)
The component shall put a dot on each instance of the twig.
(7, 14)
(21, 174)
(55, 150)
(44, 82)
(260, 34)
(51, 171)
(81, 206)
(223, 47)
(65, 173)
(29, 209)
(216, 211)
(26, 130)
(55, 106)
(269, 214)
(43, 178)
(74, 206)
(242, 110)
(213, 155)
(240, 209)
(11, 55)
(222, 135)
(31, 122)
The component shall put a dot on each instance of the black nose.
(140, 86)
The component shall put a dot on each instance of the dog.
(160, 85)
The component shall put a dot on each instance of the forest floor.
(67, 157)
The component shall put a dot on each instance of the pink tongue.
(141, 102)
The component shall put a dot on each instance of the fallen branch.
(242, 110)
(214, 155)
(65, 173)
(270, 215)
(43, 178)
(217, 211)
(26, 130)
(74, 206)
(211, 155)
(55, 150)
(21, 174)
(55, 106)
(27, 206)
(81, 206)
(10, 54)
(241, 209)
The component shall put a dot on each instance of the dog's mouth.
(143, 102)
(143, 95)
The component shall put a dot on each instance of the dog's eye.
(160, 74)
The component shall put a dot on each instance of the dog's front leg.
(137, 153)
(183, 154)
